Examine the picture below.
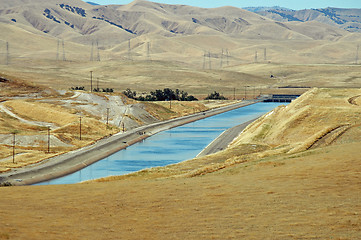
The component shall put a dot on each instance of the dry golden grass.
(41, 112)
(183, 108)
(313, 195)
(306, 119)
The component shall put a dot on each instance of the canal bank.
(73, 161)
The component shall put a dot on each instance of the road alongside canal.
(73, 161)
(223, 140)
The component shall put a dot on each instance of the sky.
(292, 4)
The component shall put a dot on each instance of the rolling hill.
(166, 32)
(348, 19)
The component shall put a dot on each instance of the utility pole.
(48, 139)
(91, 81)
(80, 128)
(234, 93)
(256, 57)
(98, 84)
(245, 92)
(107, 116)
(14, 133)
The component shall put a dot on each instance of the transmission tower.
(204, 59)
(148, 51)
(7, 54)
(265, 54)
(98, 54)
(129, 51)
(357, 50)
(227, 55)
(92, 52)
(209, 59)
(222, 58)
(57, 51)
(64, 59)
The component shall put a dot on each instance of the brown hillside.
(84, 27)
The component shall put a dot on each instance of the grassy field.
(305, 196)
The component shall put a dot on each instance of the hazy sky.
(293, 4)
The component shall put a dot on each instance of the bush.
(130, 94)
(161, 95)
(215, 96)
(78, 88)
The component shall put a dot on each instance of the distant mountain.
(91, 3)
(80, 22)
(262, 9)
(348, 19)
(177, 32)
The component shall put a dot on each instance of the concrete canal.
(168, 147)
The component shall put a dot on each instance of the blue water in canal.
(168, 147)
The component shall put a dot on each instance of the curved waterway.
(168, 147)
